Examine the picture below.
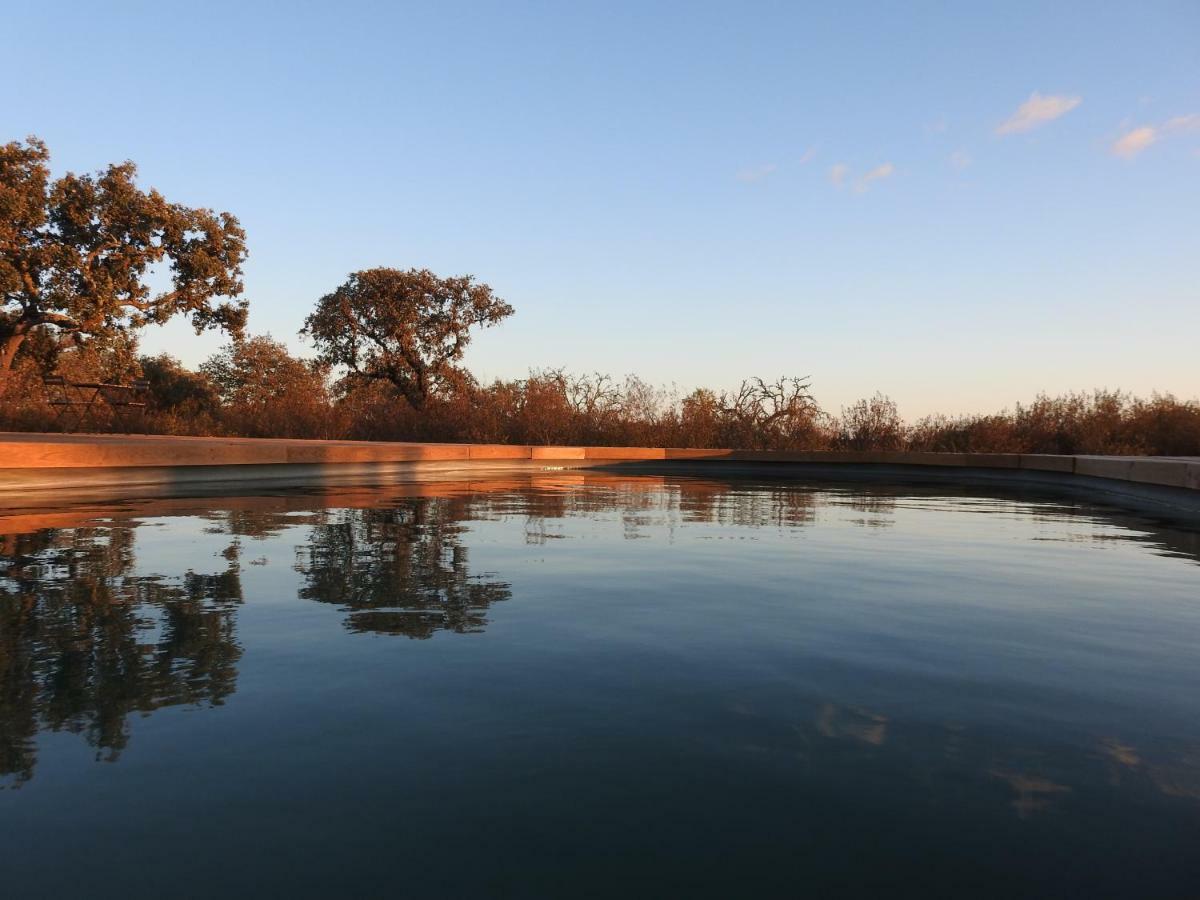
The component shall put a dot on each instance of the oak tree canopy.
(76, 253)
(407, 327)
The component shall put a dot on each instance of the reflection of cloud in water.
(856, 724)
(1173, 770)
(1180, 777)
(1033, 793)
(1123, 754)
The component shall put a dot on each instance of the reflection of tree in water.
(652, 502)
(878, 509)
(260, 522)
(84, 643)
(746, 506)
(400, 569)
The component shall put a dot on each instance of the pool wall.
(57, 464)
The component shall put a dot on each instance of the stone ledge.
(26, 453)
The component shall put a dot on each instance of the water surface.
(591, 685)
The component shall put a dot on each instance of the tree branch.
(66, 323)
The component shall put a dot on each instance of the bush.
(267, 392)
(180, 401)
(871, 424)
(256, 388)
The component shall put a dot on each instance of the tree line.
(255, 387)
(76, 258)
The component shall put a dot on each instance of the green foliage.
(75, 254)
(409, 328)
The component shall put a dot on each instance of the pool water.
(588, 685)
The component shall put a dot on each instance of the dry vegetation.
(256, 388)
(77, 251)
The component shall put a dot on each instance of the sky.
(958, 204)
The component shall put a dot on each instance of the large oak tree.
(406, 327)
(76, 253)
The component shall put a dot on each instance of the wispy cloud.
(1190, 122)
(756, 173)
(887, 170)
(1135, 140)
(1038, 110)
(838, 173)
(960, 159)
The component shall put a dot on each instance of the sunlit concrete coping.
(63, 458)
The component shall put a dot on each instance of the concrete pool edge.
(32, 464)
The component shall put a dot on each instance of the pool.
(589, 685)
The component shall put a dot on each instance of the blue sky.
(958, 204)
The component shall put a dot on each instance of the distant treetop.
(406, 327)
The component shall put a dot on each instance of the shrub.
(267, 392)
(257, 388)
(871, 424)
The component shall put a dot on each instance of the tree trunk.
(9, 345)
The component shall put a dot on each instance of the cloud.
(960, 159)
(1038, 110)
(1190, 122)
(876, 174)
(838, 173)
(1135, 140)
(808, 156)
(1131, 143)
(756, 173)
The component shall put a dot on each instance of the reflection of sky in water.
(734, 675)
